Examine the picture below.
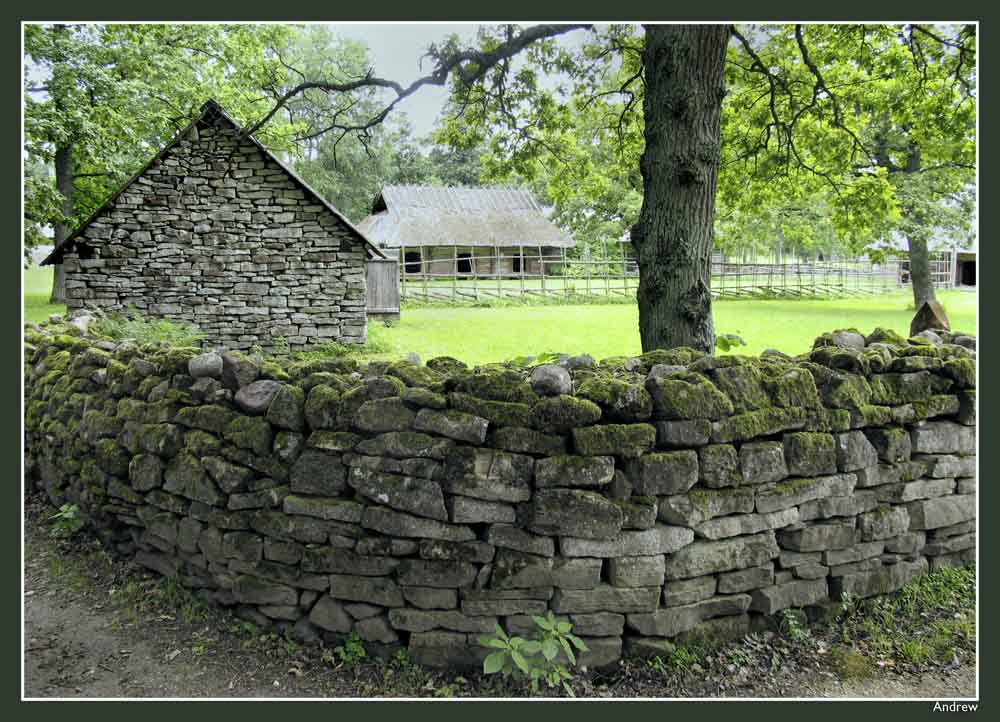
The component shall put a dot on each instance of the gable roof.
(437, 216)
(210, 110)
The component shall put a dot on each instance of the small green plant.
(792, 623)
(535, 660)
(130, 324)
(68, 521)
(352, 652)
(728, 341)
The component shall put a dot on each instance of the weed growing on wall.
(131, 325)
(535, 660)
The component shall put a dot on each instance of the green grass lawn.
(37, 285)
(479, 335)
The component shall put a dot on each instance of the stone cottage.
(216, 231)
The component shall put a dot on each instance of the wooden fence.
(619, 277)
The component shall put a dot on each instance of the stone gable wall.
(218, 235)
(646, 499)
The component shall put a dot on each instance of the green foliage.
(350, 169)
(932, 618)
(536, 660)
(67, 521)
(728, 341)
(793, 624)
(130, 324)
(112, 94)
(352, 652)
(886, 145)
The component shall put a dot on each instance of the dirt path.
(78, 643)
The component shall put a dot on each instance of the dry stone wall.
(645, 499)
(217, 234)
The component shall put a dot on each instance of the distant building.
(444, 232)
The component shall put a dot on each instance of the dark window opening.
(464, 263)
(411, 262)
(968, 273)
(84, 251)
(515, 264)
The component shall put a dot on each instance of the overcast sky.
(396, 50)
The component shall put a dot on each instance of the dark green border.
(520, 10)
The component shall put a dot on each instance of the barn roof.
(209, 110)
(438, 216)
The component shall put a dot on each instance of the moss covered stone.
(250, 432)
(886, 336)
(338, 382)
(287, 408)
(789, 387)
(288, 445)
(495, 384)
(424, 398)
(810, 453)
(700, 505)
(273, 371)
(870, 415)
(743, 384)
(841, 359)
(962, 371)
(405, 445)
(145, 472)
(111, 457)
(892, 389)
(321, 407)
(564, 413)
(498, 413)
(201, 443)
(619, 401)
(892, 444)
(161, 439)
(753, 424)
(574, 471)
(380, 415)
(828, 420)
(413, 374)
(96, 425)
(316, 472)
(624, 440)
(186, 476)
(571, 512)
(687, 395)
(526, 441)
(335, 441)
(681, 356)
(669, 472)
(719, 466)
(230, 477)
(446, 365)
(302, 369)
(209, 417)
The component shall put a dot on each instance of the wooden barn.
(438, 232)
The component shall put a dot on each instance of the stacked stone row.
(646, 500)
(216, 234)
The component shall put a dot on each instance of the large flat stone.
(606, 598)
(413, 495)
(710, 557)
(570, 511)
(675, 620)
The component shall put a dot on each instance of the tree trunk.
(62, 229)
(673, 238)
(916, 241)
